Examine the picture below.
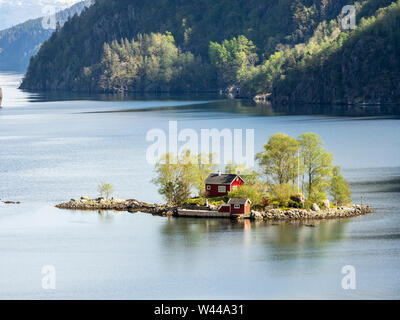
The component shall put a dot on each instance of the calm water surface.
(56, 147)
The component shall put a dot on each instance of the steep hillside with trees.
(294, 50)
(360, 66)
(62, 60)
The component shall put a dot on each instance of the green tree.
(250, 176)
(233, 59)
(148, 62)
(279, 158)
(176, 177)
(339, 188)
(247, 192)
(205, 165)
(317, 165)
(167, 175)
(185, 181)
(105, 189)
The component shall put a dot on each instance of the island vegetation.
(291, 51)
(295, 176)
(293, 173)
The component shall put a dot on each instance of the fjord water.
(56, 147)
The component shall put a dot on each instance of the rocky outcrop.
(130, 205)
(298, 214)
(11, 202)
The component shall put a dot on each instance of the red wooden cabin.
(240, 206)
(218, 184)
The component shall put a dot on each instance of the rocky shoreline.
(302, 214)
(9, 202)
(130, 205)
(133, 205)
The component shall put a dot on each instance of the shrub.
(266, 202)
(282, 193)
(247, 192)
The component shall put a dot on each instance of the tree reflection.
(278, 236)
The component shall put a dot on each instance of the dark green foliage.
(233, 59)
(62, 60)
(339, 67)
(293, 49)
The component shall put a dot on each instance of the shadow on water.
(220, 104)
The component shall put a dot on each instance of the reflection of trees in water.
(278, 235)
(106, 216)
(298, 235)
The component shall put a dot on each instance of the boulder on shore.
(298, 198)
(315, 207)
(326, 204)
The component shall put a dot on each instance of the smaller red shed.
(240, 206)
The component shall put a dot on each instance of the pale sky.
(13, 12)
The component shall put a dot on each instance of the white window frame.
(236, 206)
(208, 187)
(234, 188)
(221, 189)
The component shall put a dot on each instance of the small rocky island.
(268, 213)
(245, 193)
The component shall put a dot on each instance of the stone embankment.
(302, 214)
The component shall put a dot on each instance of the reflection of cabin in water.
(218, 184)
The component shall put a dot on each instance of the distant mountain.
(13, 12)
(19, 43)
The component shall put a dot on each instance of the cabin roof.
(238, 201)
(215, 178)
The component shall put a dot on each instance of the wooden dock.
(203, 214)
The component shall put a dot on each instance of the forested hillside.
(294, 49)
(361, 66)
(19, 43)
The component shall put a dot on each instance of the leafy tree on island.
(205, 165)
(284, 161)
(177, 178)
(339, 188)
(317, 165)
(251, 176)
(105, 189)
(279, 158)
(247, 192)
